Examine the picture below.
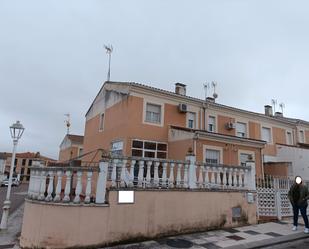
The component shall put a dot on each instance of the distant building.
(22, 163)
(71, 147)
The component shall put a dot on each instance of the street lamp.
(17, 131)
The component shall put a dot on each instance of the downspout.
(262, 161)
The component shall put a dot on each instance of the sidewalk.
(254, 236)
(9, 238)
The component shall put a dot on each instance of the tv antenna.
(282, 106)
(109, 50)
(206, 87)
(67, 122)
(274, 104)
(214, 85)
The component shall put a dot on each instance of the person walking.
(298, 196)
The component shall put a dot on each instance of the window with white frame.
(117, 148)
(289, 138)
(153, 113)
(191, 116)
(211, 123)
(80, 151)
(266, 134)
(301, 137)
(101, 125)
(241, 129)
(243, 158)
(212, 156)
(141, 148)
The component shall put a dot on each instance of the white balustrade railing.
(88, 184)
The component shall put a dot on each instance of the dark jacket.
(298, 194)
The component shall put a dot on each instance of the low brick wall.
(154, 213)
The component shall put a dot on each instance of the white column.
(164, 178)
(156, 174)
(246, 176)
(140, 173)
(192, 171)
(67, 189)
(206, 182)
(58, 187)
(131, 184)
(200, 177)
(212, 176)
(42, 186)
(50, 186)
(31, 181)
(241, 175)
(251, 179)
(171, 176)
(178, 176)
(218, 180)
(148, 176)
(235, 183)
(114, 172)
(78, 188)
(123, 173)
(185, 175)
(37, 183)
(101, 183)
(88, 187)
(229, 172)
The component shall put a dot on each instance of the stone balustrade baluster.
(131, 183)
(212, 176)
(164, 176)
(88, 187)
(67, 189)
(246, 177)
(171, 176)
(235, 182)
(140, 177)
(50, 187)
(78, 189)
(114, 172)
(200, 177)
(148, 174)
(241, 178)
(206, 178)
(42, 185)
(230, 172)
(123, 173)
(178, 175)
(156, 174)
(30, 188)
(224, 181)
(58, 187)
(185, 175)
(101, 182)
(218, 180)
(37, 184)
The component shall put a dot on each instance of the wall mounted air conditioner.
(182, 108)
(230, 126)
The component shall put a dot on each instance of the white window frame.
(194, 121)
(287, 138)
(116, 141)
(149, 150)
(246, 129)
(271, 133)
(153, 102)
(208, 147)
(248, 152)
(101, 122)
(215, 123)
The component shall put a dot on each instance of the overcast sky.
(52, 59)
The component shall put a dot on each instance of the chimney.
(278, 114)
(268, 110)
(180, 89)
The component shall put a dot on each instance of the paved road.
(298, 244)
(18, 195)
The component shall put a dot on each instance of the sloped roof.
(28, 154)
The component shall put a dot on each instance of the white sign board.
(125, 196)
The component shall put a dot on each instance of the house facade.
(138, 120)
(71, 147)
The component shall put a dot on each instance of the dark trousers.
(303, 211)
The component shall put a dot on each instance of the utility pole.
(109, 50)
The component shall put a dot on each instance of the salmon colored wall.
(254, 130)
(307, 137)
(276, 169)
(177, 150)
(222, 120)
(65, 155)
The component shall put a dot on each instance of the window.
(301, 137)
(266, 134)
(241, 129)
(244, 157)
(289, 139)
(30, 163)
(211, 123)
(151, 149)
(80, 152)
(117, 148)
(23, 163)
(101, 125)
(22, 171)
(153, 113)
(191, 119)
(15, 162)
(212, 156)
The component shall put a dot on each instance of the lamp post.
(17, 131)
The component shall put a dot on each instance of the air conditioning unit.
(230, 126)
(182, 107)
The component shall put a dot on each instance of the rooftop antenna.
(282, 106)
(67, 122)
(206, 87)
(109, 50)
(214, 85)
(274, 104)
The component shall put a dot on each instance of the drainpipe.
(262, 160)
(195, 138)
(204, 108)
